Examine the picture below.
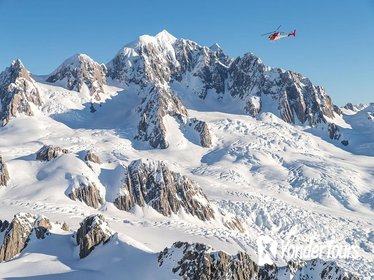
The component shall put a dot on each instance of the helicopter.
(276, 34)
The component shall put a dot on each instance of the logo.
(269, 250)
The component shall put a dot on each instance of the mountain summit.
(17, 92)
(81, 73)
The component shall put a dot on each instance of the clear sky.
(334, 46)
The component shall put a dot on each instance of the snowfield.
(289, 182)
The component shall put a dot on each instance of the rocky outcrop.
(17, 92)
(350, 106)
(3, 225)
(295, 98)
(158, 103)
(49, 152)
(91, 156)
(333, 131)
(4, 174)
(93, 231)
(198, 261)
(18, 234)
(208, 65)
(79, 72)
(65, 227)
(152, 183)
(88, 193)
(202, 130)
(337, 110)
(41, 227)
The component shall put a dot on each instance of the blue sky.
(334, 46)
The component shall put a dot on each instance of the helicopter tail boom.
(292, 33)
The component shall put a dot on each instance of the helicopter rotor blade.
(272, 31)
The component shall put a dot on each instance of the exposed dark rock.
(17, 91)
(88, 193)
(65, 227)
(92, 232)
(92, 157)
(3, 225)
(16, 236)
(202, 129)
(42, 226)
(198, 261)
(153, 183)
(345, 142)
(49, 152)
(296, 98)
(235, 224)
(253, 106)
(333, 131)
(209, 65)
(158, 103)
(4, 174)
(337, 110)
(350, 106)
(79, 71)
(92, 108)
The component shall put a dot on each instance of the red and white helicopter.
(276, 35)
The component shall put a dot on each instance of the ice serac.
(17, 92)
(49, 152)
(18, 234)
(81, 71)
(4, 174)
(92, 232)
(198, 261)
(150, 182)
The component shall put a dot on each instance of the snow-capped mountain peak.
(166, 37)
(215, 47)
(81, 73)
(14, 71)
(163, 38)
(17, 91)
(75, 61)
